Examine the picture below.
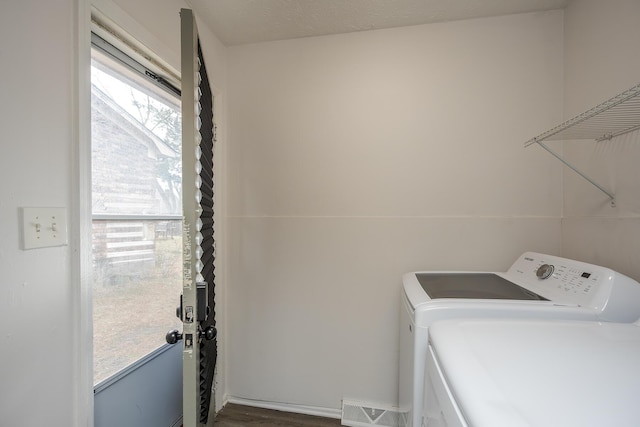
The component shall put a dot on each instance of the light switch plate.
(44, 227)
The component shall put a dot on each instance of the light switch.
(44, 227)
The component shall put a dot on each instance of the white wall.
(355, 158)
(38, 347)
(601, 45)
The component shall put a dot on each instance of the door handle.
(173, 336)
(208, 334)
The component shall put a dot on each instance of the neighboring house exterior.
(125, 183)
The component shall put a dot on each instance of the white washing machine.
(533, 373)
(535, 286)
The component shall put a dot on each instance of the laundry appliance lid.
(473, 286)
(539, 373)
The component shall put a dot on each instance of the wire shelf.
(612, 118)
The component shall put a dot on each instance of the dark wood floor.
(239, 416)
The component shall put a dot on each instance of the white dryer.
(535, 286)
(533, 373)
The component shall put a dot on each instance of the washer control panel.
(570, 279)
(563, 280)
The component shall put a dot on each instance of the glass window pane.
(137, 233)
(136, 137)
(137, 283)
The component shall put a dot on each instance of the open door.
(197, 307)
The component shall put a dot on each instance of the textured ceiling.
(238, 22)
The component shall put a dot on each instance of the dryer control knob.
(544, 271)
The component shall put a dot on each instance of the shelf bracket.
(570, 166)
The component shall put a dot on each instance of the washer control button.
(544, 271)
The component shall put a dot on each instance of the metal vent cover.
(364, 414)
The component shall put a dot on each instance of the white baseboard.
(287, 407)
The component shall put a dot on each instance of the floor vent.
(361, 414)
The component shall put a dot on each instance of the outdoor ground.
(132, 314)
